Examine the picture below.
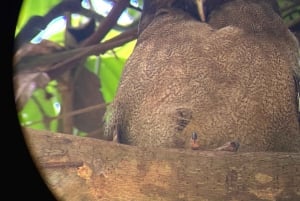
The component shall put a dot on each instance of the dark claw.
(116, 137)
(232, 146)
(194, 136)
(194, 144)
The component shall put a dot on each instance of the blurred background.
(69, 56)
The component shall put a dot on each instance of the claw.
(201, 12)
(229, 146)
(194, 143)
(116, 137)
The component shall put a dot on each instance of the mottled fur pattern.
(230, 78)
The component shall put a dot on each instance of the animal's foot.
(194, 143)
(116, 137)
(232, 146)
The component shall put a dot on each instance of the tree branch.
(81, 168)
(37, 23)
(31, 62)
(67, 64)
(107, 24)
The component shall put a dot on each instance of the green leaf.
(31, 8)
(32, 115)
(109, 67)
(109, 70)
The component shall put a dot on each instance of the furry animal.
(228, 79)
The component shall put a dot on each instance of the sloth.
(220, 77)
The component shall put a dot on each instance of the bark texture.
(79, 168)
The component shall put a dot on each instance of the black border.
(21, 177)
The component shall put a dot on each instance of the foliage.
(44, 108)
(31, 8)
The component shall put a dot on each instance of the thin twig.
(70, 114)
(37, 23)
(107, 24)
(290, 6)
(31, 62)
(58, 69)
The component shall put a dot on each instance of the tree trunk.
(80, 168)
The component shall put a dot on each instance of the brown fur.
(228, 79)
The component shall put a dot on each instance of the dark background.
(21, 181)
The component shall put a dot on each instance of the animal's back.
(225, 84)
